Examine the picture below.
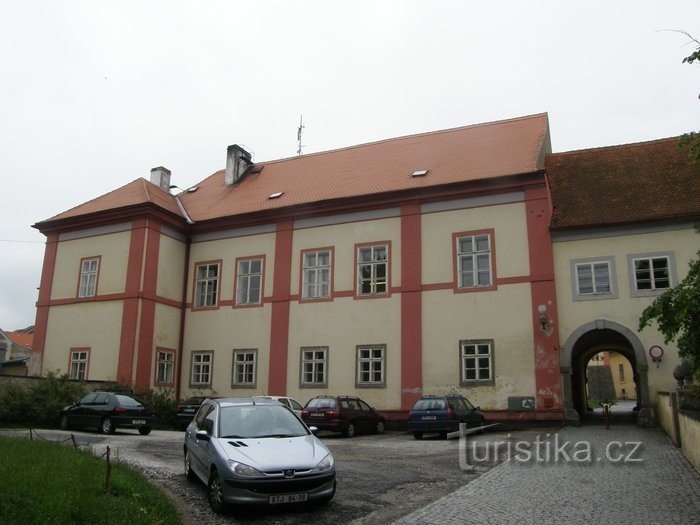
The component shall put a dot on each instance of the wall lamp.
(544, 321)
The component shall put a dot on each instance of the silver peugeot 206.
(256, 451)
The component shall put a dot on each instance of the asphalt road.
(380, 478)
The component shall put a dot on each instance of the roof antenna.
(301, 126)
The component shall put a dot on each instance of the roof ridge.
(404, 137)
(145, 189)
(628, 145)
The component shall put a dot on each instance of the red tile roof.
(21, 338)
(626, 184)
(470, 153)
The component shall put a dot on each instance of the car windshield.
(430, 404)
(259, 421)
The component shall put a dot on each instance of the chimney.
(160, 176)
(237, 161)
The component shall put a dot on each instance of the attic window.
(276, 195)
(419, 173)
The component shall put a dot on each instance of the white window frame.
(596, 294)
(314, 366)
(371, 366)
(206, 294)
(79, 361)
(632, 260)
(471, 354)
(372, 263)
(201, 368)
(89, 273)
(165, 367)
(476, 255)
(316, 275)
(245, 368)
(246, 277)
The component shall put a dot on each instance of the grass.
(51, 483)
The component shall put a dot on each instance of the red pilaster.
(279, 323)
(42, 305)
(127, 342)
(411, 306)
(544, 300)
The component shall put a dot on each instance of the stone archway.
(589, 339)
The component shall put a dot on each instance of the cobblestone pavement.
(578, 475)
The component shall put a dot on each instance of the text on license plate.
(428, 418)
(288, 498)
(316, 414)
(138, 421)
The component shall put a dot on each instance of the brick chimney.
(160, 176)
(237, 161)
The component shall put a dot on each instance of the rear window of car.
(127, 401)
(318, 402)
(430, 404)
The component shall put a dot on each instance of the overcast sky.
(93, 94)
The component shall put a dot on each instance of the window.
(593, 279)
(371, 366)
(651, 274)
(477, 361)
(249, 281)
(372, 269)
(244, 368)
(89, 269)
(314, 367)
(165, 367)
(474, 261)
(316, 279)
(621, 372)
(201, 368)
(207, 285)
(79, 364)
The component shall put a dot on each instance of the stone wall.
(683, 426)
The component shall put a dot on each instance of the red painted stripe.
(42, 307)
(279, 324)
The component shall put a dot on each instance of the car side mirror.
(477, 408)
(314, 430)
(203, 435)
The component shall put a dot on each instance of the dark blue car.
(443, 414)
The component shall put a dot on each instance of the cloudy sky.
(93, 94)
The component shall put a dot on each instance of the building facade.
(417, 265)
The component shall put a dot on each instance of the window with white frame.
(476, 359)
(89, 269)
(316, 281)
(249, 281)
(474, 261)
(79, 364)
(372, 269)
(201, 368)
(371, 366)
(314, 366)
(593, 278)
(244, 368)
(165, 367)
(652, 273)
(207, 285)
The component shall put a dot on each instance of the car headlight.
(325, 464)
(243, 470)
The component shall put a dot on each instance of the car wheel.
(64, 422)
(215, 493)
(380, 427)
(350, 431)
(144, 431)
(188, 466)
(107, 427)
(418, 435)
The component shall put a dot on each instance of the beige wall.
(113, 250)
(624, 310)
(171, 268)
(94, 325)
(625, 383)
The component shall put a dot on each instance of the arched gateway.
(588, 340)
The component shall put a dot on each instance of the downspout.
(183, 309)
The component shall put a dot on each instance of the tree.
(691, 140)
(677, 314)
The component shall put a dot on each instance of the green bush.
(165, 406)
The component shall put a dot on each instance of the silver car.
(256, 451)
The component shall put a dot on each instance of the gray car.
(256, 451)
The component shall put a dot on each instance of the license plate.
(316, 414)
(288, 498)
(428, 418)
(138, 421)
(189, 410)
